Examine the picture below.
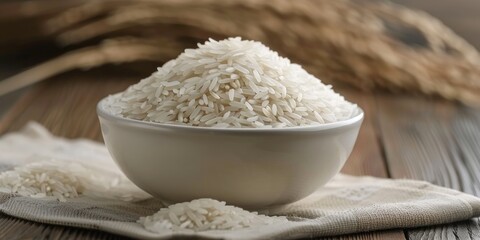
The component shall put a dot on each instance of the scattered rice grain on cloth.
(204, 214)
(60, 180)
(229, 83)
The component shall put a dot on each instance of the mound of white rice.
(60, 180)
(231, 83)
(204, 214)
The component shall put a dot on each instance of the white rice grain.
(61, 180)
(243, 76)
(203, 215)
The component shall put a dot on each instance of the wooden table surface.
(402, 136)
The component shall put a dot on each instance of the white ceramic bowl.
(251, 168)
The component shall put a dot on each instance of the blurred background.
(399, 46)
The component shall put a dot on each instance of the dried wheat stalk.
(364, 45)
(110, 51)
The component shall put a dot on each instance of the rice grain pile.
(60, 180)
(231, 83)
(204, 214)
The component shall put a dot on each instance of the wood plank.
(66, 106)
(435, 141)
(367, 156)
(13, 228)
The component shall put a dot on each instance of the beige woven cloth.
(345, 205)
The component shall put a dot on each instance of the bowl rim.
(102, 113)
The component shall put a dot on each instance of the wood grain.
(14, 228)
(66, 105)
(367, 156)
(435, 141)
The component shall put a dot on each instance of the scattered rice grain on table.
(232, 83)
(205, 214)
